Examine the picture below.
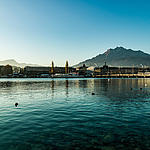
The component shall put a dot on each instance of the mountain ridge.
(13, 62)
(119, 56)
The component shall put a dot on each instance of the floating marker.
(16, 104)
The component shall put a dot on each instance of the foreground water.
(63, 114)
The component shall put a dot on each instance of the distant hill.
(119, 56)
(12, 62)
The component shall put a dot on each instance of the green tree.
(6, 70)
(66, 68)
(52, 68)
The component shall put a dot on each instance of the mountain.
(119, 56)
(12, 62)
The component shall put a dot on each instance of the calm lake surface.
(63, 114)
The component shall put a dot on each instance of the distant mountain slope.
(15, 63)
(119, 57)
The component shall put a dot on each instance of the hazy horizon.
(38, 32)
(10, 61)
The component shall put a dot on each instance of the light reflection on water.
(63, 114)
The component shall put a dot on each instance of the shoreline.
(105, 77)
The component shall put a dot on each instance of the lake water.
(63, 114)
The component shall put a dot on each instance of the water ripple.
(63, 114)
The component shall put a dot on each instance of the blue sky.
(39, 31)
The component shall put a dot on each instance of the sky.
(39, 31)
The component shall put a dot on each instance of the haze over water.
(63, 114)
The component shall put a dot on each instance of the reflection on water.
(63, 114)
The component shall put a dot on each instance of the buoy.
(16, 104)
(93, 93)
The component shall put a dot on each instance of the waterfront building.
(45, 71)
(91, 68)
(62, 70)
(107, 70)
(35, 71)
(82, 70)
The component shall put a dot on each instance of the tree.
(6, 70)
(66, 68)
(52, 68)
